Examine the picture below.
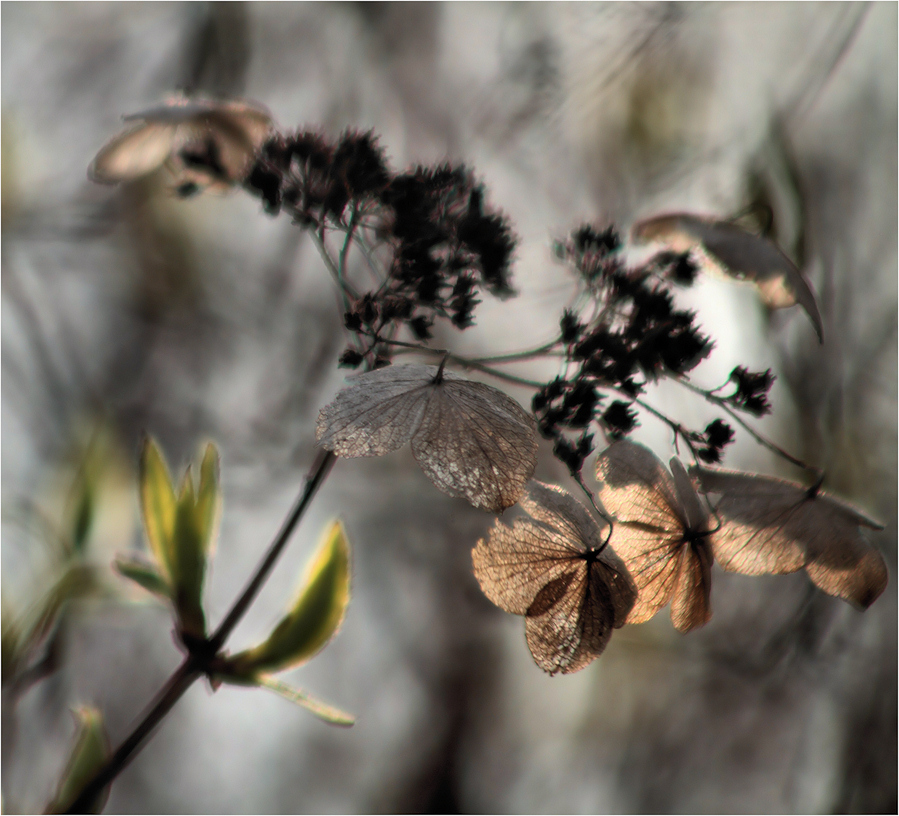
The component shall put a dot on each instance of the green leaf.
(89, 754)
(316, 614)
(189, 561)
(326, 712)
(83, 514)
(181, 531)
(209, 498)
(144, 574)
(12, 637)
(157, 498)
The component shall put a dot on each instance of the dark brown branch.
(194, 665)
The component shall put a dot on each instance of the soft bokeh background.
(128, 311)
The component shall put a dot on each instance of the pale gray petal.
(477, 443)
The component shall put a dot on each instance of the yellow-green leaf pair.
(181, 529)
(312, 620)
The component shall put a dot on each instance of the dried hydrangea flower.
(662, 533)
(555, 569)
(470, 439)
(203, 142)
(773, 526)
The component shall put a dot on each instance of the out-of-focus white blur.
(133, 311)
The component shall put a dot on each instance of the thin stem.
(589, 493)
(344, 250)
(465, 362)
(762, 440)
(499, 375)
(193, 666)
(678, 429)
(370, 259)
(174, 689)
(344, 287)
(519, 355)
(313, 482)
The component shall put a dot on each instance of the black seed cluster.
(573, 454)
(709, 444)
(678, 267)
(446, 243)
(639, 334)
(591, 252)
(631, 333)
(315, 179)
(752, 387)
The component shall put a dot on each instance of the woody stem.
(193, 666)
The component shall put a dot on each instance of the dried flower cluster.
(628, 335)
(428, 245)
(442, 242)
(573, 587)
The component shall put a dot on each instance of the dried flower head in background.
(736, 253)
(203, 142)
(771, 525)
(555, 569)
(662, 533)
(470, 439)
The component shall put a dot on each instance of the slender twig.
(193, 665)
(596, 506)
(368, 254)
(464, 362)
(319, 473)
(762, 440)
(678, 429)
(338, 270)
(499, 375)
(344, 287)
(174, 689)
(344, 250)
(519, 355)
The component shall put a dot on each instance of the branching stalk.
(762, 440)
(194, 665)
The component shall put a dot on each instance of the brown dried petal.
(771, 525)
(573, 632)
(538, 568)
(134, 153)
(636, 487)
(470, 439)
(657, 518)
(691, 600)
(513, 564)
(651, 556)
(555, 507)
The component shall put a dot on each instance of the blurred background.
(128, 311)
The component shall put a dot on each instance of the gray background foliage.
(132, 311)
